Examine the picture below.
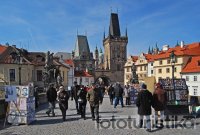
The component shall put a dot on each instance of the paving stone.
(74, 125)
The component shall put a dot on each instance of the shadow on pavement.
(110, 112)
(53, 121)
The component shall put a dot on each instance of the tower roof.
(114, 29)
(81, 46)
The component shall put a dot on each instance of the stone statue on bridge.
(134, 79)
(51, 73)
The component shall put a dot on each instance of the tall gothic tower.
(115, 46)
(115, 52)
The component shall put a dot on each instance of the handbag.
(80, 100)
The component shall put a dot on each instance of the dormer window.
(199, 63)
(39, 58)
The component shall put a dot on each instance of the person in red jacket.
(159, 103)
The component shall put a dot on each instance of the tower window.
(118, 67)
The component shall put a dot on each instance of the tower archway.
(103, 80)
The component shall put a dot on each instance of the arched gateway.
(103, 80)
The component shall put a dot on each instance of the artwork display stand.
(21, 105)
(8, 110)
(177, 96)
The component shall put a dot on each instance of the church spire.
(96, 50)
(156, 45)
(114, 29)
(149, 51)
(177, 44)
(126, 33)
(104, 36)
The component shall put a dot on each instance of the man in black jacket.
(82, 101)
(144, 103)
(51, 97)
(74, 92)
(118, 94)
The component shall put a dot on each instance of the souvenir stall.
(177, 96)
(134, 92)
(22, 107)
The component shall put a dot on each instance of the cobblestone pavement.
(113, 122)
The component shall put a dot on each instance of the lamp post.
(19, 63)
(173, 60)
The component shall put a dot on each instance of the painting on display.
(2, 93)
(10, 93)
(177, 91)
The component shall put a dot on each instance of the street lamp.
(19, 63)
(173, 60)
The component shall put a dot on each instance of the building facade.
(20, 67)
(162, 62)
(141, 67)
(82, 57)
(191, 73)
(128, 69)
(115, 54)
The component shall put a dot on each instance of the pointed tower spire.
(156, 45)
(96, 50)
(149, 51)
(177, 44)
(114, 28)
(126, 33)
(152, 51)
(100, 50)
(104, 36)
(77, 32)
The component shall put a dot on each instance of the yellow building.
(141, 66)
(162, 61)
(20, 67)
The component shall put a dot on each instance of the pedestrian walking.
(102, 88)
(159, 103)
(51, 97)
(144, 103)
(63, 101)
(36, 97)
(94, 97)
(74, 96)
(127, 91)
(118, 94)
(82, 93)
(111, 93)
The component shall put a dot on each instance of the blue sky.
(41, 25)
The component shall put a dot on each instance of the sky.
(42, 25)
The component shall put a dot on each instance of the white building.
(71, 72)
(191, 72)
(83, 78)
(150, 69)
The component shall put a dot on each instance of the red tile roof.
(2, 48)
(193, 65)
(134, 58)
(149, 57)
(188, 50)
(69, 62)
(82, 74)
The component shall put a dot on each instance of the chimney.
(165, 47)
(61, 57)
(182, 44)
(14, 46)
